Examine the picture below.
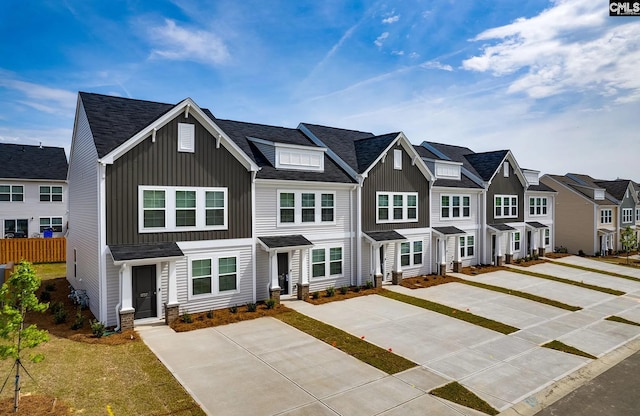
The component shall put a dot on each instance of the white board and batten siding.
(83, 203)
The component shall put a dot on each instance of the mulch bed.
(481, 268)
(223, 317)
(557, 255)
(352, 292)
(519, 262)
(35, 405)
(421, 282)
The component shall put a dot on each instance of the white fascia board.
(516, 168)
(453, 190)
(199, 115)
(415, 157)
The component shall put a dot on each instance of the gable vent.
(186, 138)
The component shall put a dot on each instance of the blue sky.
(557, 82)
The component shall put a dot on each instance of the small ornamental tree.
(17, 297)
(629, 240)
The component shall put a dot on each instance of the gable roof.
(487, 163)
(580, 184)
(466, 181)
(617, 188)
(368, 149)
(21, 161)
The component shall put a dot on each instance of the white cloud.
(380, 39)
(391, 19)
(178, 43)
(436, 65)
(568, 47)
(397, 53)
(40, 97)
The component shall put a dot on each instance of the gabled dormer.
(291, 156)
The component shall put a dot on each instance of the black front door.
(493, 250)
(283, 273)
(144, 291)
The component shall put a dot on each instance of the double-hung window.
(537, 206)
(605, 216)
(627, 215)
(51, 193)
(467, 246)
(506, 206)
(214, 275)
(455, 206)
(11, 193)
(53, 223)
(326, 262)
(547, 236)
(637, 214)
(396, 207)
(301, 207)
(516, 241)
(182, 208)
(411, 253)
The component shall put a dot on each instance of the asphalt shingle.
(19, 161)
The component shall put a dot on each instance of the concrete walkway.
(600, 265)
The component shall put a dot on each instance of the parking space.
(599, 265)
(592, 278)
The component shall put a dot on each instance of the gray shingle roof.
(487, 163)
(385, 236)
(281, 241)
(578, 183)
(541, 187)
(616, 188)
(536, 224)
(124, 252)
(21, 161)
(501, 227)
(368, 149)
(450, 230)
(341, 141)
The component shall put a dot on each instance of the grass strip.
(452, 312)
(621, 320)
(589, 269)
(457, 393)
(570, 282)
(524, 295)
(364, 351)
(560, 346)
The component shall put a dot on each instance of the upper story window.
(605, 216)
(537, 206)
(51, 193)
(12, 193)
(182, 208)
(298, 207)
(396, 207)
(627, 215)
(455, 206)
(411, 253)
(506, 206)
(397, 159)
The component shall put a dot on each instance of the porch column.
(541, 247)
(396, 274)
(376, 264)
(498, 259)
(457, 263)
(443, 256)
(274, 289)
(303, 282)
(126, 306)
(509, 255)
(171, 308)
(535, 243)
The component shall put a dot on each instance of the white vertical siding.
(83, 212)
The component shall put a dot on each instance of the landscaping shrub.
(580, 253)
(270, 303)
(187, 318)
(331, 291)
(233, 309)
(79, 321)
(344, 290)
(251, 307)
(210, 314)
(60, 316)
(315, 295)
(97, 328)
(45, 296)
(368, 284)
(50, 287)
(356, 289)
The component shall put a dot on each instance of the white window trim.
(606, 214)
(412, 252)
(405, 207)
(12, 193)
(50, 193)
(513, 241)
(547, 236)
(215, 274)
(627, 215)
(450, 206)
(637, 214)
(170, 209)
(502, 198)
(50, 223)
(466, 246)
(297, 208)
(186, 138)
(397, 159)
(327, 262)
(544, 207)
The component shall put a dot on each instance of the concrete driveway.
(266, 367)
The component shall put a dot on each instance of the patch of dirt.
(35, 405)
(420, 282)
(223, 317)
(527, 263)
(481, 268)
(557, 255)
(352, 292)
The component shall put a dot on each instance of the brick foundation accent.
(378, 280)
(442, 270)
(126, 320)
(303, 291)
(508, 258)
(396, 277)
(499, 261)
(171, 313)
(457, 266)
(541, 251)
(275, 295)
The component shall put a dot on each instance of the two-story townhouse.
(33, 190)
(393, 200)
(304, 212)
(539, 214)
(502, 225)
(624, 191)
(456, 212)
(161, 210)
(586, 215)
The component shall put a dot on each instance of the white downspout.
(359, 232)
(117, 328)
(356, 256)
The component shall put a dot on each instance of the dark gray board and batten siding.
(505, 186)
(384, 178)
(160, 164)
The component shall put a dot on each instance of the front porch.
(281, 250)
(380, 242)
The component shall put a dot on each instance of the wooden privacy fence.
(35, 250)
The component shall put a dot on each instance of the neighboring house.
(393, 200)
(33, 190)
(625, 192)
(539, 214)
(586, 215)
(505, 231)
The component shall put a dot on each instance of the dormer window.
(598, 194)
(397, 159)
(186, 138)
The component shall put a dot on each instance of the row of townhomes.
(173, 210)
(33, 188)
